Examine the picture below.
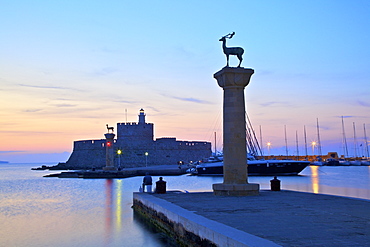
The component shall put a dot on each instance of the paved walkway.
(285, 217)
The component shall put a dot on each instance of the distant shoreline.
(4, 162)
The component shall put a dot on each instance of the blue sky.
(69, 67)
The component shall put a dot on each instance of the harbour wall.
(190, 229)
(87, 154)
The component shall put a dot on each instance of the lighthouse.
(141, 116)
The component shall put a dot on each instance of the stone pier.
(233, 81)
(109, 157)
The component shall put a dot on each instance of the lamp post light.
(313, 147)
(146, 158)
(119, 152)
(268, 147)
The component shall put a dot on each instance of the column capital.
(109, 135)
(233, 77)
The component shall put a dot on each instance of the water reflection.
(113, 209)
(108, 210)
(349, 181)
(35, 211)
(119, 205)
(119, 225)
(315, 179)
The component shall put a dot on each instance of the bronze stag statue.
(110, 128)
(237, 51)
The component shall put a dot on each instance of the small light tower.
(141, 116)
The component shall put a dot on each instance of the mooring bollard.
(275, 184)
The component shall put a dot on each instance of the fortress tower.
(137, 146)
(139, 133)
(141, 116)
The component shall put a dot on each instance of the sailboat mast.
(215, 145)
(261, 141)
(286, 142)
(318, 137)
(296, 139)
(366, 145)
(354, 140)
(252, 142)
(344, 139)
(305, 140)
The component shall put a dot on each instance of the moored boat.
(332, 162)
(365, 162)
(343, 162)
(257, 167)
(316, 163)
(355, 162)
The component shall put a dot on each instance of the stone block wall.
(166, 151)
(130, 132)
(87, 154)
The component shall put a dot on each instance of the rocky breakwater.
(168, 170)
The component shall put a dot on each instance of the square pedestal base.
(109, 168)
(236, 189)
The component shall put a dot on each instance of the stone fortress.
(137, 147)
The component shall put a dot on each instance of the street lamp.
(119, 152)
(313, 147)
(268, 147)
(146, 158)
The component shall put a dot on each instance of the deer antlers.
(230, 35)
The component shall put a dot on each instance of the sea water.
(38, 211)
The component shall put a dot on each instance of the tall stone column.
(109, 152)
(233, 81)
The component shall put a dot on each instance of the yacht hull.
(258, 168)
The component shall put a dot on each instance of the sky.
(68, 68)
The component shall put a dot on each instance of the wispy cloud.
(49, 87)
(32, 110)
(362, 103)
(275, 103)
(152, 108)
(65, 105)
(190, 99)
(325, 127)
(44, 87)
(125, 101)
